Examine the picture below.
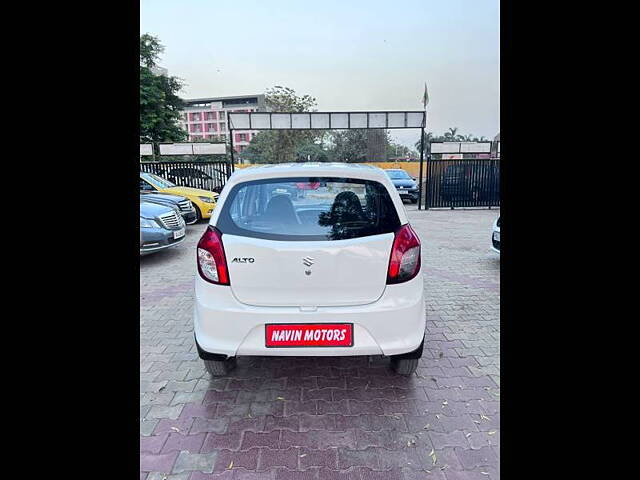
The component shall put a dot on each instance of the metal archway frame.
(387, 120)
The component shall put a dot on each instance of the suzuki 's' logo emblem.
(307, 261)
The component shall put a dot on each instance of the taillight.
(212, 264)
(404, 263)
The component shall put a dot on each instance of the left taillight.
(212, 263)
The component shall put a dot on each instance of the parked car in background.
(187, 210)
(336, 272)
(204, 201)
(189, 175)
(406, 186)
(470, 181)
(495, 236)
(161, 227)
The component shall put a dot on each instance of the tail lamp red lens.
(212, 263)
(404, 263)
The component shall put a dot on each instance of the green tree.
(349, 146)
(160, 105)
(451, 135)
(312, 152)
(261, 148)
(428, 138)
(278, 146)
(285, 99)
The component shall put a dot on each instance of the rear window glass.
(397, 174)
(308, 208)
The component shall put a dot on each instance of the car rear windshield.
(397, 174)
(156, 180)
(308, 208)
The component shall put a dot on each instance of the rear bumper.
(392, 325)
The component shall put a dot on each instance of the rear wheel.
(219, 368)
(404, 366)
(407, 363)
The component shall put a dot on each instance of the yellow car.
(204, 201)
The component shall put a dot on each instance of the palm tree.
(428, 138)
(451, 135)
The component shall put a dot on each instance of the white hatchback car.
(309, 260)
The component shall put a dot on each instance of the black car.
(465, 181)
(184, 204)
(405, 185)
(197, 178)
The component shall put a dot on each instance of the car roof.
(333, 169)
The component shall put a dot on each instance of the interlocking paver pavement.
(330, 418)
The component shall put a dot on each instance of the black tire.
(404, 366)
(219, 368)
(198, 214)
(407, 363)
(414, 201)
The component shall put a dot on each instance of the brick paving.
(330, 418)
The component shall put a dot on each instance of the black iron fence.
(462, 183)
(205, 175)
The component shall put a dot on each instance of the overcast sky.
(350, 55)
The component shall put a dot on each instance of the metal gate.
(462, 183)
(205, 175)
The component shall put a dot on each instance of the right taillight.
(212, 264)
(404, 263)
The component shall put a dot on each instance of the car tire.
(414, 201)
(219, 368)
(404, 366)
(198, 214)
(407, 363)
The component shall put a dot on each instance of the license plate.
(178, 233)
(309, 335)
(496, 236)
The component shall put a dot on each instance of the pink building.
(206, 118)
